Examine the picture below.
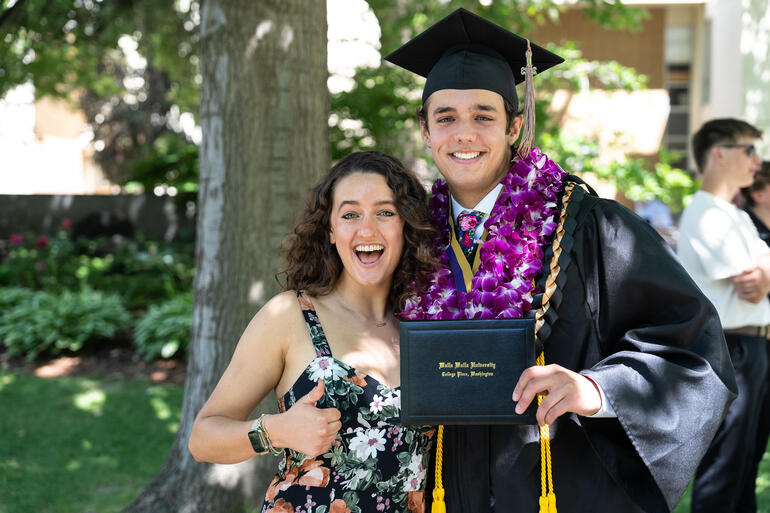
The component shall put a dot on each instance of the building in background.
(704, 59)
(46, 148)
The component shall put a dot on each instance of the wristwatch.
(259, 439)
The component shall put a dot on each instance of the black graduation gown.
(630, 317)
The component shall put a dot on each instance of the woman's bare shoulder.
(281, 313)
(284, 304)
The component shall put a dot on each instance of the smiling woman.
(328, 347)
(312, 262)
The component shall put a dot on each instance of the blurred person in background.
(721, 249)
(757, 204)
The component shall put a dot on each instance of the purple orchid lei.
(518, 228)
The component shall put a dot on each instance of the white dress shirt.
(486, 205)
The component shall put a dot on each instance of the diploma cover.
(464, 371)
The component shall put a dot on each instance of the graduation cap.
(465, 51)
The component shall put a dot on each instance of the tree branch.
(6, 14)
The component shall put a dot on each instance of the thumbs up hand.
(305, 427)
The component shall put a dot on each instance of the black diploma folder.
(464, 371)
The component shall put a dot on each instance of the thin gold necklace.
(346, 305)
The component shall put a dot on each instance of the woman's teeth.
(466, 156)
(369, 253)
(369, 247)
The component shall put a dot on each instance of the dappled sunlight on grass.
(111, 437)
(90, 401)
(161, 406)
(6, 379)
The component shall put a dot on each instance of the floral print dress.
(375, 464)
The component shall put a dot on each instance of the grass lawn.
(87, 445)
(75, 445)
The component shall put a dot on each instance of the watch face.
(258, 441)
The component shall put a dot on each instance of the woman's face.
(366, 228)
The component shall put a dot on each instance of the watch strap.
(260, 441)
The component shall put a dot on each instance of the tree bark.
(264, 109)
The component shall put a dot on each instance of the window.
(676, 79)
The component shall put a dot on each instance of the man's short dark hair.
(719, 131)
(761, 180)
(510, 114)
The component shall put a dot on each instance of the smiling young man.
(470, 137)
(722, 250)
(630, 347)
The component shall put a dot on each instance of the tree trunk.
(264, 112)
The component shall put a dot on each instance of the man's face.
(466, 134)
(741, 161)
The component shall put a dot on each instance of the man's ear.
(515, 129)
(716, 154)
(425, 133)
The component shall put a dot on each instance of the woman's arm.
(220, 431)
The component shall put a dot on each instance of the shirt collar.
(486, 204)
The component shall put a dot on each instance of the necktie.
(466, 231)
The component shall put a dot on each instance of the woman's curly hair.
(312, 262)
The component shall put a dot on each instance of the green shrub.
(52, 323)
(12, 296)
(164, 330)
(142, 272)
(41, 263)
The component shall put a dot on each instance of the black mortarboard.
(465, 51)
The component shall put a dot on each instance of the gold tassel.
(551, 502)
(438, 505)
(543, 504)
(528, 131)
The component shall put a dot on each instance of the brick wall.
(641, 50)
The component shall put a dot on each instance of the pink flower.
(467, 222)
(16, 239)
(66, 223)
(466, 241)
(40, 265)
(42, 242)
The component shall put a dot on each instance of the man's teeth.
(466, 156)
(369, 247)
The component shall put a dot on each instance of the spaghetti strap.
(317, 335)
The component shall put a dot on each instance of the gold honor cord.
(547, 493)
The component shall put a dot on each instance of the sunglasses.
(750, 149)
